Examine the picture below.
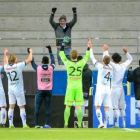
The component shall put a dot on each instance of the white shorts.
(2, 100)
(118, 98)
(20, 98)
(102, 97)
(138, 103)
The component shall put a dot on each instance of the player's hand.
(74, 10)
(54, 9)
(49, 48)
(125, 49)
(5, 51)
(30, 50)
(105, 47)
(89, 44)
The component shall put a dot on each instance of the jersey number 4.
(107, 76)
(74, 69)
(14, 77)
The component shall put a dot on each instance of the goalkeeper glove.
(66, 40)
(74, 10)
(49, 48)
(54, 10)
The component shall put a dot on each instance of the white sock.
(116, 117)
(139, 114)
(99, 116)
(106, 118)
(23, 116)
(83, 111)
(2, 115)
(10, 116)
(123, 116)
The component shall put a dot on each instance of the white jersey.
(119, 70)
(14, 75)
(104, 74)
(1, 86)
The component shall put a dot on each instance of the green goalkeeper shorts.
(74, 95)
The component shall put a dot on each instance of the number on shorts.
(15, 76)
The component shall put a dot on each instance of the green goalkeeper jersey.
(74, 70)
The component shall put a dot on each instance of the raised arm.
(94, 61)
(5, 61)
(74, 20)
(61, 52)
(34, 65)
(129, 58)
(52, 22)
(30, 56)
(105, 52)
(51, 56)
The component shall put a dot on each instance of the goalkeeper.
(74, 90)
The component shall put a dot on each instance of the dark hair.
(45, 60)
(116, 57)
(79, 58)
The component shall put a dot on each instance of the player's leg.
(79, 101)
(106, 116)
(122, 106)
(48, 96)
(12, 102)
(38, 102)
(98, 102)
(106, 103)
(21, 103)
(115, 103)
(3, 108)
(69, 98)
(79, 116)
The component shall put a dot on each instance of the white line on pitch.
(128, 129)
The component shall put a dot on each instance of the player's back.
(104, 75)
(14, 75)
(118, 74)
(74, 73)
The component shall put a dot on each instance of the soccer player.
(2, 100)
(117, 91)
(74, 81)
(86, 83)
(15, 85)
(45, 85)
(102, 95)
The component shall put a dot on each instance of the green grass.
(69, 134)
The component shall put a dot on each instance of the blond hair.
(106, 59)
(73, 54)
(12, 58)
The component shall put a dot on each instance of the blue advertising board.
(131, 114)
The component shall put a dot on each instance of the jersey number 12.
(15, 76)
